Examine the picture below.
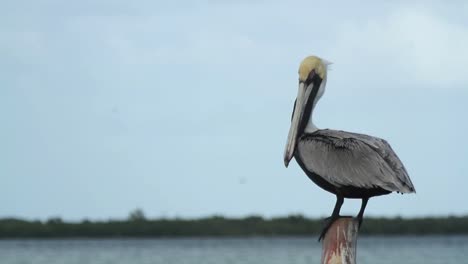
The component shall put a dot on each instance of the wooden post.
(339, 244)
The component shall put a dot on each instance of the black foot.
(360, 221)
(327, 224)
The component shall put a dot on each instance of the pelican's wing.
(350, 159)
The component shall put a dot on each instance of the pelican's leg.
(335, 215)
(361, 212)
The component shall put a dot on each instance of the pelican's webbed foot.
(360, 221)
(327, 224)
(335, 215)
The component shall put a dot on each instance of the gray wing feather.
(350, 159)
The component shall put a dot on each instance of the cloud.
(414, 44)
(126, 92)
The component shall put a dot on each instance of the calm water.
(443, 249)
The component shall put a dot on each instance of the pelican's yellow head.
(312, 81)
(312, 63)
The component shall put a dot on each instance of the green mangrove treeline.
(295, 225)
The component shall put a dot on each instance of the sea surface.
(256, 250)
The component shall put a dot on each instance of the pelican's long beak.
(301, 102)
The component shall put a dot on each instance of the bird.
(346, 164)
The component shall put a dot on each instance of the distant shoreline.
(218, 226)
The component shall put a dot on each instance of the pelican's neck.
(311, 127)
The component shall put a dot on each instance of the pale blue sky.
(183, 109)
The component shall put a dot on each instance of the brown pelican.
(346, 164)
